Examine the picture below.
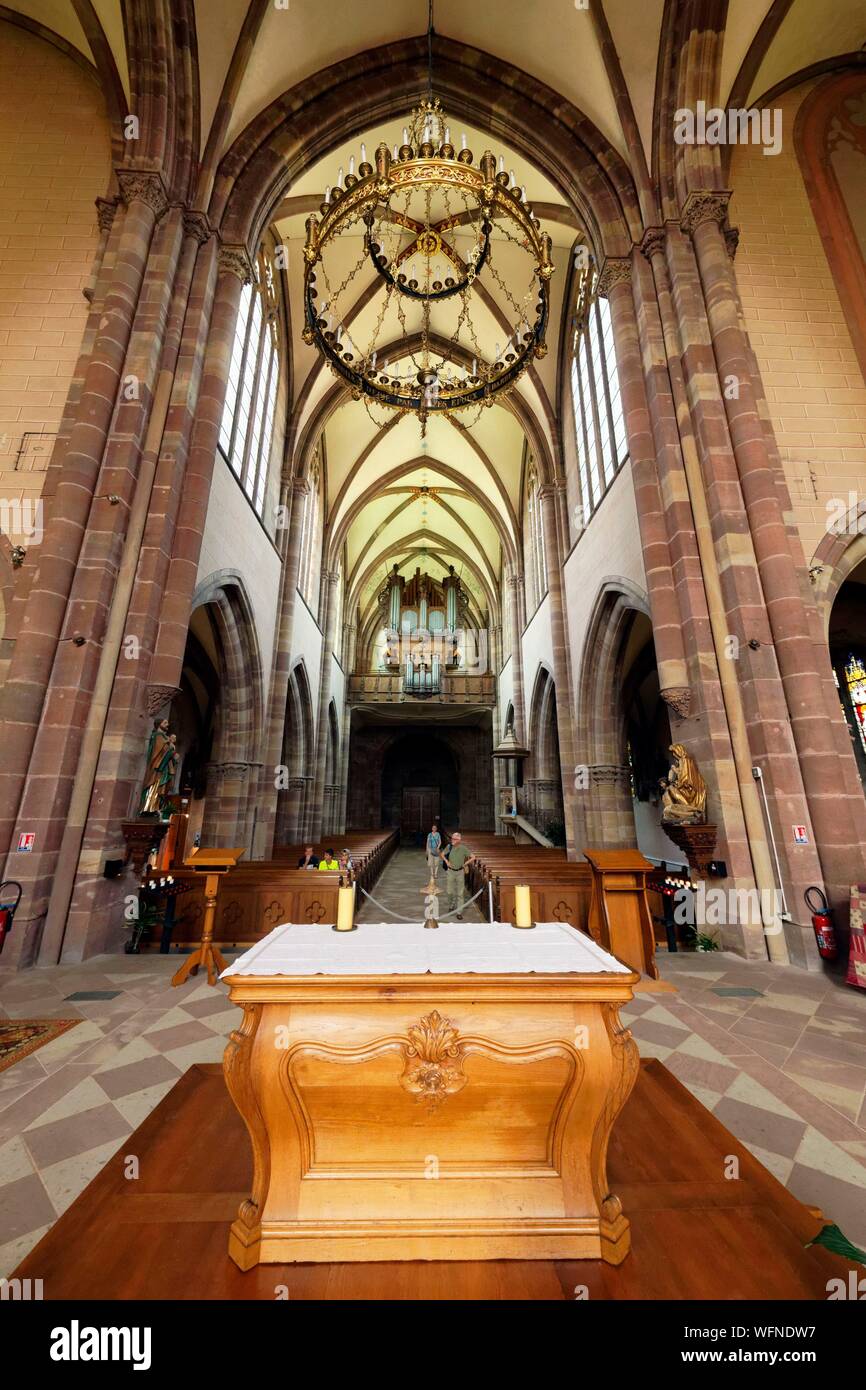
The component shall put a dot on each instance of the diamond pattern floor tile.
(777, 1053)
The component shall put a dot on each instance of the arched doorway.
(331, 807)
(623, 728)
(541, 796)
(297, 760)
(217, 715)
(420, 783)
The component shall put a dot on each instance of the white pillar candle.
(345, 909)
(522, 907)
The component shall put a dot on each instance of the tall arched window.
(599, 425)
(247, 424)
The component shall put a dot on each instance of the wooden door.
(420, 808)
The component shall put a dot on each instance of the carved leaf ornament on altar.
(433, 1060)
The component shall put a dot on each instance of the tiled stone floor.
(778, 1054)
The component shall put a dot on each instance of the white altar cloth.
(410, 948)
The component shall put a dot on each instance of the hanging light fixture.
(433, 225)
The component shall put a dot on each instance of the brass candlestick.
(431, 904)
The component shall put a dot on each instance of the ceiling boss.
(464, 267)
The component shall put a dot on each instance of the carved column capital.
(143, 186)
(678, 699)
(615, 271)
(705, 205)
(196, 224)
(237, 769)
(158, 696)
(234, 260)
(653, 241)
(332, 576)
(105, 210)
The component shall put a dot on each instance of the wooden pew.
(559, 889)
(370, 851)
(257, 896)
(604, 896)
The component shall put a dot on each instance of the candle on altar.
(345, 908)
(522, 907)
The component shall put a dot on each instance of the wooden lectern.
(619, 915)
(214, 863)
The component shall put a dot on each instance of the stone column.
(112, 756)
(345, 738)
(615, 284)
(838, 839)
(234, 272)
(26, 689)
(561, 667)
(717, 731)
(293, 497)
(331, 579)
(514, 580)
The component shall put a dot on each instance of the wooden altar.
(429, 1096)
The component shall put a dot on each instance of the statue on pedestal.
(684, 791)
(162, 765)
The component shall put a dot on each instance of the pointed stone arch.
(232, 775)
(602, 775)
(298, 757)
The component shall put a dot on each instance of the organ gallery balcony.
(390, 688)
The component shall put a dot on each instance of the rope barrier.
(401, 917)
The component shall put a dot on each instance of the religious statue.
(684, 791)
(162, 765)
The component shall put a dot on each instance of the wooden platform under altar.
(694, 1234)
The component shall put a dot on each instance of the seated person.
(308, 859)
(328, 861)
(347, 863)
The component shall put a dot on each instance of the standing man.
(456, 860)
(434, 845)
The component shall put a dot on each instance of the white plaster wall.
(234, 539)
(608, 549)
(537, 647)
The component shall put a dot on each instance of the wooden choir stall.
(416, 1095)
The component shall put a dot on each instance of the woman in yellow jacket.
(328, 862)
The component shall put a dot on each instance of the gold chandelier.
(434, 225)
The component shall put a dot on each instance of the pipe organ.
(424, 620)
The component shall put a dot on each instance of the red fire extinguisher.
(7, 908)
(822, 921)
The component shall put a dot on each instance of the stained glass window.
(855, 677)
